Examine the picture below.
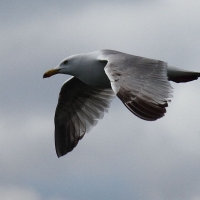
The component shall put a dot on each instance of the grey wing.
(141, 83)
(78, 110)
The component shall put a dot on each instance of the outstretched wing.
(78, 110)
(141, 83)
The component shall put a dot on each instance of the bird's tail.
(180, 76)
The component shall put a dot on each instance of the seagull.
(142, 84)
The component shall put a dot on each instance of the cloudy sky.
(123, 157)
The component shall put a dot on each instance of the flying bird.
(142, 84)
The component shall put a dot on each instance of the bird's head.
(74, 65)
(67, 66)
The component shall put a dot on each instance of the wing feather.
(79, 109)
(141, 83)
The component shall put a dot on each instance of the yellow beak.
(50, 73)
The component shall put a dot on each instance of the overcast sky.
(123, 157)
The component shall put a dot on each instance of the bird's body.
(91, 66)
(142, 84)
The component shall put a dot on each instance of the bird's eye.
(65, 62)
